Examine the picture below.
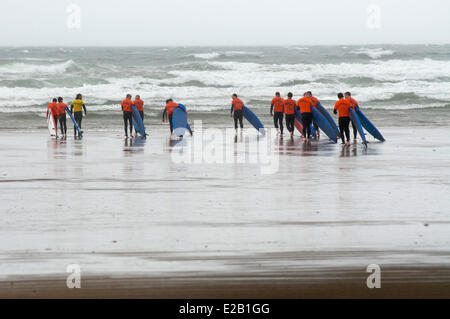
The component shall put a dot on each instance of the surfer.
(62, 116)
(348, 97)
(76, 108)
(289, 113)
(342, 106)
(315, 102)
(127, 115)
(305, 104)
(53, 107)
(168, 112)
(237, 107)
(140, 106)
(277, 111)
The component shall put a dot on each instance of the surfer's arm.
(71, 108)
(271, 109)
(84, 108)
(232, 108)
(164, 114)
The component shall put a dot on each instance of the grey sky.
(222, 22)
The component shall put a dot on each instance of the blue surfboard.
(356, 121)
(323, 124)
(298, 117)
(329, 118)
(74, 122)
(179, 120)
(253, 119)
(138, 123)
(369, 126)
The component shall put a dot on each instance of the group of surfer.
(279, 108)
(288, 107)
(57, 108)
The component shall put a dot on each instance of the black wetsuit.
(290, 119)
(344, 123)
(238, 115)
(307, 120)
(355, 130)
(278, 120)
(77, 116)
(63, 123)
(170, 123)
(127, 119)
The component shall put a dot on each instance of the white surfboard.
(51, 123)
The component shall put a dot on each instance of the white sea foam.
(206, 56)
(25, 68)
(373, 53)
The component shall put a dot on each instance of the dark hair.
(309, 92)
(54, 100)
(79, 96)
(235, 95)
(290, 94)
(277, 93)
(128, 95)
(60, 99)
(340, 95)
(348, 93)
(167, 101)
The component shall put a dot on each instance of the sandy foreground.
(141, 220)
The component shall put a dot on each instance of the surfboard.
(330, 119)
(51, 123)
(356, 121)
(179, 120)
(74, 122)
(138, 123)
(298, 123)
(369, 126)
(323, 124)
(253, 119)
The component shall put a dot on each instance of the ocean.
(393, 83)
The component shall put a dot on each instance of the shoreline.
(338, 283)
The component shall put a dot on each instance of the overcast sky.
(222, 22)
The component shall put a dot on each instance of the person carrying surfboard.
(305, 104)
(342, 106)
(62, 116)
(53, 109)
(168, 112)
(348, 97)
(76, 108)
(237, 108)
(127, 115)
(289, 113)
(277, 111)
(140, 106)
(315, 101)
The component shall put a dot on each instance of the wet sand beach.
(141, 224)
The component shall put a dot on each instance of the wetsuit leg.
(170, 123)
(275, 119)
(55, 117)
(63, 124)
(77, 116)
(238, 116)
(355, 130)
(307, 120)
(344, 123)
(126, 121)
(290, 118)
(278, 119)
